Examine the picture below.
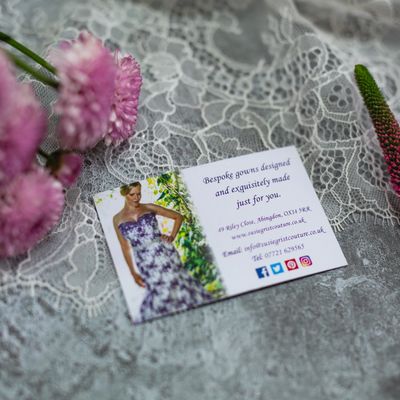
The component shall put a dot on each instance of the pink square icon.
(291, 264)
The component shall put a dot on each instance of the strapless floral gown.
(169, 286)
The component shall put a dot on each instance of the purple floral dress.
(169, 286)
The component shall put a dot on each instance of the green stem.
(34, 72)
(20, 47)
(43, 153)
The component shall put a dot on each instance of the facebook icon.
(262, 272)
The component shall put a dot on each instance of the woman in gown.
(156, 265)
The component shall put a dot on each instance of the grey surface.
(220, 79)
(333, 335)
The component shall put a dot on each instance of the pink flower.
(22, 124)
(29, 207)
(87, 79)
(126, 98)
(386, 126)
(65, 167)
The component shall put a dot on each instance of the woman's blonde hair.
(125, 189)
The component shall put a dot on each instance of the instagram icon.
(305, 261)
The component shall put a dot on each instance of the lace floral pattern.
(220, 79)
(217, 86)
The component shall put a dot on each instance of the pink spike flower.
(386, 126)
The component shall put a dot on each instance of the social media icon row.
(277, 267)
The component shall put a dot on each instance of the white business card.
(216, 230)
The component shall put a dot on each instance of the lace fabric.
(221, 79)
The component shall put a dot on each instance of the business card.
(191, 237)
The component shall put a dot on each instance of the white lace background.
(221, 79)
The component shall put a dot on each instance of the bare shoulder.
(159, 210)
(150, 207)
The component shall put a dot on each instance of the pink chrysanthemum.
(22, 124)
(87, 72)
(29, 207)
(126, 99)
(65, 167)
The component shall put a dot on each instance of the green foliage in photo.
(190, 242)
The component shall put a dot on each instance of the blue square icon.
(262, 272)
(277, 268)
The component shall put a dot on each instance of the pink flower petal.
(22, 124)
(30, 206)
(87, 72)
(126, 99)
